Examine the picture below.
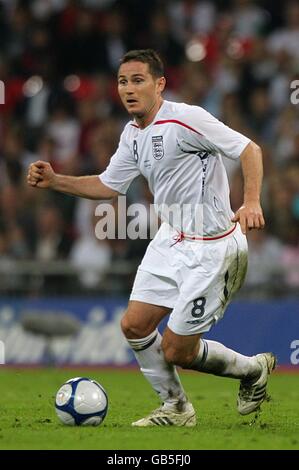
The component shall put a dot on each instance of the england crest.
(158, 148)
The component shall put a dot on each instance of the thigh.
(154, 289)
(209, 287)
(156, 279)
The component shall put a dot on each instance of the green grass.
(28, 418)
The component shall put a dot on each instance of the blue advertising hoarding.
(248, 327)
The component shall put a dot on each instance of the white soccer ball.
(81, 401)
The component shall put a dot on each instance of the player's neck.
(147, 119)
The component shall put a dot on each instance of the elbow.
(256, 148)
(251, 150)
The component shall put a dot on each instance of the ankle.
(255, 374)
(176, 406)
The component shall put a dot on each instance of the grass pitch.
(28, 418)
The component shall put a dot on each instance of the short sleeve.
(216, 135)
(122, 169)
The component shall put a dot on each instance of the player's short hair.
(147, 56)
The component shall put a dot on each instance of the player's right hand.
(40, 175)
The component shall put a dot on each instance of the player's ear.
(161, 84)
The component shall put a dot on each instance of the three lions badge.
(158, 147)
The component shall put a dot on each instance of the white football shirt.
(180, 155)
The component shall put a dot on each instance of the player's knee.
(133, 329)
(128, 329)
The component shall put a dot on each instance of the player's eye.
(122, 82)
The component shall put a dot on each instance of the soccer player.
(190, 270)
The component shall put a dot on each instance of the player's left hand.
(250, 216)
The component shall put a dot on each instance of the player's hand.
(250, 216)
(41, 175)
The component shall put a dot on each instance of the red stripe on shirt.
(180, 123)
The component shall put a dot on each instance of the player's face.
(139, 91)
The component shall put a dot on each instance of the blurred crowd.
(58, 61)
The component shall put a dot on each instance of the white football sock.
(215, 358)
(162, 376)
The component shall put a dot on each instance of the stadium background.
(58, 61)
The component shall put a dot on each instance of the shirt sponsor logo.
(158, 147)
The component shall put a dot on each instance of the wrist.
(54, 181)
(251, 200)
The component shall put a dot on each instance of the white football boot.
(168, 417)
(252, 394)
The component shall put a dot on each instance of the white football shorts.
(194, 278)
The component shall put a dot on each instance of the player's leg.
(139, 326)
(193, 352)
(203, 299)
(153, 296)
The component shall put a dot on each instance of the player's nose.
(129, 91)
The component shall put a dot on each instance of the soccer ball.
(81, 401)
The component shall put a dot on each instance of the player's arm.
(42, 175)
(250, 214)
